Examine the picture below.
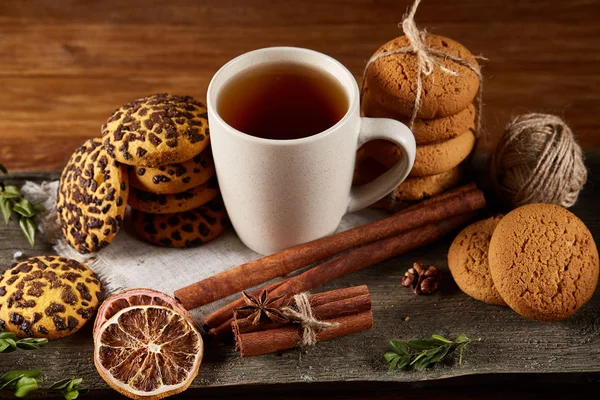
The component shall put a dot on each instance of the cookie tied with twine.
(424, 76)
(538, 161)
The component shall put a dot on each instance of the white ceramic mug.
(280, 193)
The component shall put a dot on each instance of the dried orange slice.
(148, 352)
(135, 297)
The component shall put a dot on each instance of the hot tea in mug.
(282, 101)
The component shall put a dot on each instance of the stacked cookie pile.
(445, 126)
(539, 259)
(154, 155)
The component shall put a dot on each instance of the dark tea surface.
(282, 101)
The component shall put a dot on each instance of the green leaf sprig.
(11, 200)
(9, 342)
(420, 354)
(69, 388)
(23, 381)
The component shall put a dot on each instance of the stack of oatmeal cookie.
(445, 126)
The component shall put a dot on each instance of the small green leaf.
(69, 388)
(441, 339)
(8, 335)
(3, 169)
(6, 207)
(18, 373)
(418, 357)
(390, 356)
(25, 385)
(6, 346)
(32, 343)
(10, 192)
(398, 347)
(423, 344)
(24, 207)
(462, 338)
(440, 354)
(28, 228)
(404, 362)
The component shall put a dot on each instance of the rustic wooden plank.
(65, 66)
(510, 343)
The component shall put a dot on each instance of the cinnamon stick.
(234, 280)
(353, 261)
(287, 337)
(324, 306)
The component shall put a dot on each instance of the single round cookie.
(171, 203)
(430, 159)
(412, 188)
(157, 130)
(543, 261)
(92, 197)
(468, 261)
(418, 188)
(426, 131)
(174, 178)
(392, 80)
(49, 297)
(436, 158)
(185, 229)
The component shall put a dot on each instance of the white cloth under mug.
(280, 193)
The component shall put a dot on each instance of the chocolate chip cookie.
(92, 197)
(543, 261)
(174, 178)
(49, 297)
(157, 130)
(171, 203)
(185, 229)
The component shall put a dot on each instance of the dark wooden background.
(66, 64)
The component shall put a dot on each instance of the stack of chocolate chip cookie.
(445, 126)
(174, 195)
(158, 145)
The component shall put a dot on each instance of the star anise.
(262, 306)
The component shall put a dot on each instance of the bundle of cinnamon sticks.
(370, 244)
(348, 310)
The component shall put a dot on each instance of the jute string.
(538, 161)
(426, 63)
(304, 316)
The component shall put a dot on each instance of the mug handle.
(397, 133)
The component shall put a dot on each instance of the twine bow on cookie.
(426, 62)
(304, 316)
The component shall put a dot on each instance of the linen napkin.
(128, 262)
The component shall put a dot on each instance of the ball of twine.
(538, 161)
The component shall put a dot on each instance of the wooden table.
(65, 65)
